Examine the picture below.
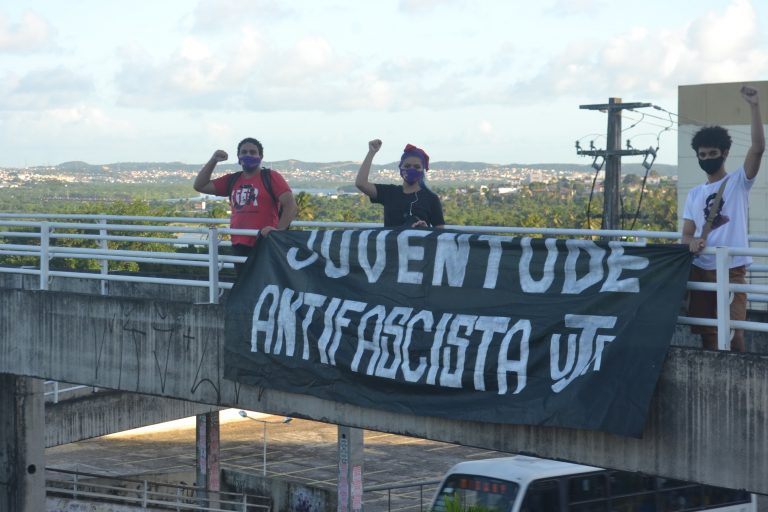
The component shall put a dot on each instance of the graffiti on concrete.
(305, 500)
(140, 348)
(137, 336)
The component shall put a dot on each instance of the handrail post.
(104, 264)
(45, 240)
(144, 497)
(56, 392)
(213, 265)
(722, 260)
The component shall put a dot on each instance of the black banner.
(567, 333)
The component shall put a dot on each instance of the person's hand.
(696, 245)
(267, 230)
(419, 224)
(374, 146)
(749, 94)
(219, 155)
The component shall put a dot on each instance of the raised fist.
(374, 145)
(749, 94)
(220, 155)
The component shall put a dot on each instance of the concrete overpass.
(708, 419)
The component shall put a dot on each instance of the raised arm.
(756, 150)
(361, 181)
(203, 180)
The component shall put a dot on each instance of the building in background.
(720, 104)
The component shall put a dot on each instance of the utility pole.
(612, 155)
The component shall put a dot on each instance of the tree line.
(562, 204)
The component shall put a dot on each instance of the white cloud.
(87, 117)
(251, 76)
(220, 133)
(485, 127)
(258, 74)
(32, 34)
(43, 89)
(251, 71)
(714, 47)
(216, 15)
(190, 76)
(77, 129)
(421, 6)
(718, 35)
(251, 49)
(575, 7)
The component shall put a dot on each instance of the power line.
(636, 123)
(746, 135)
(737, 141)
(612, 158)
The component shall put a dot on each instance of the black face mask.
(711, 165)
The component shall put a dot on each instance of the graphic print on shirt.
(720, 219)
(243, 196)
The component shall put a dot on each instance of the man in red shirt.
(260, 198)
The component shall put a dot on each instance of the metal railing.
(146, 494)
(209, 237)
(54, 391)
(404, 495)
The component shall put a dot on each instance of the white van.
(530, 484)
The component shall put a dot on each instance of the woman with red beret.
(411, 204)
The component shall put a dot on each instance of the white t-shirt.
(729, 229)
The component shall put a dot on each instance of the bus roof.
(520, 468)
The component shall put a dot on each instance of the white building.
(720, 104)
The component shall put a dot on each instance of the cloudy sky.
(478, 80)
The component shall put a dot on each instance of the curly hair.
(712, 137)
(252, 141)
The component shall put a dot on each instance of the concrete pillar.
(350, 486)
(208, 454)
(22, 444)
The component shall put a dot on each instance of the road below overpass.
(707, 421)
(300, 451)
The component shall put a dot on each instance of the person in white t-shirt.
(729, 222)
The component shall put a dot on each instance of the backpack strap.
(231, 182)
(266, 178)
(713, 211)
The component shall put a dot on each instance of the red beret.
(411, 150)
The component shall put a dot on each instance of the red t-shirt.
(252, 206)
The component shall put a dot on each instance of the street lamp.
(264, 436)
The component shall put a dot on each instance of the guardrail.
(55, 392)
(45, 233)
(386, 490)
(145, 494)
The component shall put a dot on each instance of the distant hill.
(627, 168)
(341, 166)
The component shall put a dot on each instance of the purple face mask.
(412, 176)
(249, 162)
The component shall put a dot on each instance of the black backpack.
(266, 178)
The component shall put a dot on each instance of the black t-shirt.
(399, 206)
